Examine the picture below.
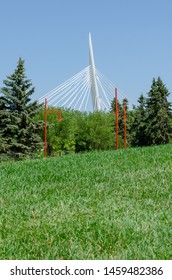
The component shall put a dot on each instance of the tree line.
(21, 122)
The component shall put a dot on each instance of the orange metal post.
(45, 128)
(125, 126)
(116, 113)
(59, 118)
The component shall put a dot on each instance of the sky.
(132, 41)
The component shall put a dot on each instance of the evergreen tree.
(138, 125)
(120, 116)
(159, 118)
(4, 119)
(19, 132)
(121, 120)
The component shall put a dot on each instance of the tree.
(80, 131)
(138, 123)
(100, 131)
(19, 132)
(159, 118)
(61, 135)
(2, 140)
(82, 134)
(121, 120)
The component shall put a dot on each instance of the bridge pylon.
(93, 79)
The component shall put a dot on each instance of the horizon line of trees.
(21, 122)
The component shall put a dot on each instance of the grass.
(99, 205)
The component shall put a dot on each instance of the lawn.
(97, 205)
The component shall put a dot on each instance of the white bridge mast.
(93, 77)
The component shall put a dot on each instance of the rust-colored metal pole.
(125, 126)
(45, 128)
(116, 113)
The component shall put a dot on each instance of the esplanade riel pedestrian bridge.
(88, 90)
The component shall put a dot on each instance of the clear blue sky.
(132, 41)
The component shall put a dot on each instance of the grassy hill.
(100, 205)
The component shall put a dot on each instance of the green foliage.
(79, 132)
(82, 133)
(101, 136)
(19, 133)
(159, 118)
(96, 205)
(139, 123)
(151, 121)
(121, 121)
(21, 122)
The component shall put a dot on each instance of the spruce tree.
(159, 125)
(138, 123)
(18, 131)
(121, 119)
(4, 119)
(120, 115)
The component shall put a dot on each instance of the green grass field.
(99, 205)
